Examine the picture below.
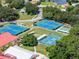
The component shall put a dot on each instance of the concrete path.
(41, 56)
(39, 17)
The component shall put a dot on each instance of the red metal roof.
(6, 37)
(4, 57)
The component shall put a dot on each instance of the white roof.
(19, 52)
(42, 36)
(74, 4)
(22, 10)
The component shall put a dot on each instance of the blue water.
(50, 39)
(13, 29)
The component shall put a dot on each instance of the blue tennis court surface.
(13, 29)
(52, 25)
(51, 39)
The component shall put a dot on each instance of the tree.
(72, 1)
(0, 3)
(31, 9)
(29, 40)
(75, 29)
(70, 8)
(42, 0)
(8, 1)
(73, 10)
(8, 14)
(18, 4)
(67, 47)
(51, 13)
(69, 16)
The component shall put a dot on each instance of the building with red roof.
(6, 37)
(4, 57)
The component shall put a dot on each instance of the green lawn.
(48, 3)
(39, 31)
(24, 16)
(52, 4)
(40, 48)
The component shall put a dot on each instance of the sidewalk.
(41, 56)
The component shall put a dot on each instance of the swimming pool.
(51, 39)
(13, 29)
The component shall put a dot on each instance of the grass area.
(24, 16)
(39, 31)
(27, 24)
(52, 4)
(40, 48)
(61, 6)
(48, 3)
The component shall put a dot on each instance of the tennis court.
(64, 29)
(51, 25)
(13, 29)
(51, 39)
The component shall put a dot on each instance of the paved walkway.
(39, 17)
(41, 56)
